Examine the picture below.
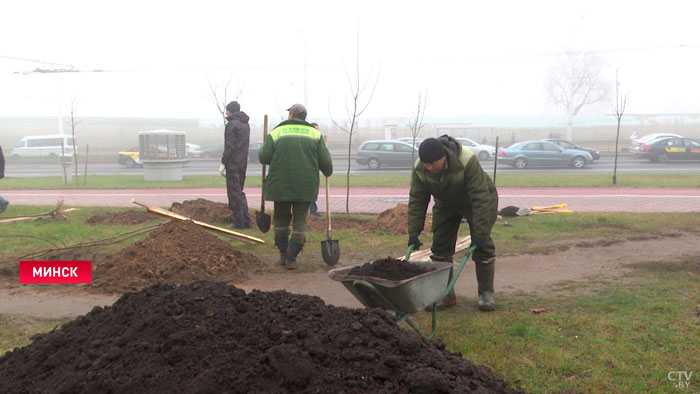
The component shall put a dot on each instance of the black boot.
(292, 253)
(450, 299)
(484, 276)
(282, 246)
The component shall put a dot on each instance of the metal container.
(409, 295)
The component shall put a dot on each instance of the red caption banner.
(55, 272)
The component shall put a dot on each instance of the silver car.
(483, 152)
(377, 154)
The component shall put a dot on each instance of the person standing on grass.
(295, 152)
(461, 189)
(3, 203)
(234, 163)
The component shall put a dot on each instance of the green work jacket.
(295, 151)
(461, 188)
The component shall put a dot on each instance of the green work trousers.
(445, 227)
(286, 212)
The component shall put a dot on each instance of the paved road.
(374, 200)
(626, 165)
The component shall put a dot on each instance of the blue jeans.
(313, 208)
(3, 204)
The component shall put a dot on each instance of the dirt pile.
(178, 252)
(394, 220)
(209, 337)
(128, 218)
(204, 211)
(389, 268)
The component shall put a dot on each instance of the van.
(43, 145)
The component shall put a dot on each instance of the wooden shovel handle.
(328, 209)
(262, 183)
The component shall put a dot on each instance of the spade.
(330, 249)
(261, 218)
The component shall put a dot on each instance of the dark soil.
(389, 268)
(394, 220)
(204, 210)
(208, 337)
(129, 218)
(176, 253)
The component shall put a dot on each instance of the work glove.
(222, 170)
(413, 240)
(479, 242)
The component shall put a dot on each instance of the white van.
(43, 145)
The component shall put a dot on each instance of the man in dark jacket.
(460, 189)
(235, 162)
(295, 151)
(3, 202)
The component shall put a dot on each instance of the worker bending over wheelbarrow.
(461, 189)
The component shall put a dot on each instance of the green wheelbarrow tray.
(405, 296)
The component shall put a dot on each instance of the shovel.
(261, 218)
(330, 250)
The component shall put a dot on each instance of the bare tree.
(619, 108)
(576, 80)
(75, 124)
(416, 124)
(354, 108)
(219, 93)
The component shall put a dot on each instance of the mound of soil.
(204, 211)
(389, 268)
(394, 220)
(176, 253)
(209, 337)
(124, 218)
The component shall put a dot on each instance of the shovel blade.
(263, 221)
(330, 250)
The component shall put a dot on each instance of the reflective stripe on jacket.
(295, 151)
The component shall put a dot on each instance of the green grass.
(362, 180)
(598, 336)
(17, 331)
(616, 338)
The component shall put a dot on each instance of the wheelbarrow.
(406, 296)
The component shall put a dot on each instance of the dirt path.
(530, 273)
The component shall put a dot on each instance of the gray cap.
(297, 109)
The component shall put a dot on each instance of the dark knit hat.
(233, 106)
(431, 150)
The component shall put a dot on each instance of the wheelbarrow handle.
(459, 271)
(408, 253)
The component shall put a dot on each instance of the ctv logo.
(681, 379)
(55, 272)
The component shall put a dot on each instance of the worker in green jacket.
(295, 152)
(460, 189)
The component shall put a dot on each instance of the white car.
(483, 152)
(637, 143)
(194, 150)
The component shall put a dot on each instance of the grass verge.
(361, 180)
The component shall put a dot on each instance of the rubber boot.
(484, 276)
(282, 246)
(450, 299)
(292, 253)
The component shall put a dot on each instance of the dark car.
(570, 145)
(542, 154)
(663, 150)
(218, 151)
(386, 153)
